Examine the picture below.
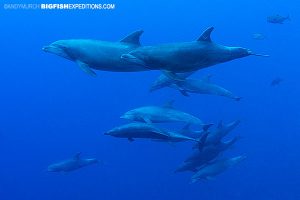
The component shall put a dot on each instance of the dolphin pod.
(176, 61)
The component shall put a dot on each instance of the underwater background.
(51, 110)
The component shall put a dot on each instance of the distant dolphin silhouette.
(100, 55)
(72, 164)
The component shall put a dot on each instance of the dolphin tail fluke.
(260, 55)
(205, 127)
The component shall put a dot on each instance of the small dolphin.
(276, 81)
(258, 36)
(72, 164)
(211, 170)
(202, 86)
(148, 131)
(277, 19)
(186, 56)
(160, 114)
(99, 55)
(208, 153)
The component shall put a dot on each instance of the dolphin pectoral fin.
(205, 36)
(172, 75)
(133, 38)
(130, 139)
(86, 68)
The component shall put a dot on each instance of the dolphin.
(215, 135)
(201, 86)
(211, 170)
(185, 56)
(160, 114)
(72, 164)
(99, 55)
(148, 131)
(278, 19)
(208, 153)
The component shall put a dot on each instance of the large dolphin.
(185, 56)
(200, 86)
(206, 155)
(148, 131)
(99, 55)
(72, 164)
(161, 114)
(212, 170)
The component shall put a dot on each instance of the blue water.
(50, 109)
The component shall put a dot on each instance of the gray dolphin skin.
(160, 114)
(200, 86)
(72, 164)
(208, 153)
(278, 19)
(216, 168)
(99, 55)
(185, 56)
(146, 131)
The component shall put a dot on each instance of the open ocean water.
(50, 109)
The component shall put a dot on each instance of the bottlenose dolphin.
(206, 155)
(72, 164)
(214, 135)
(99, 55)
(200, 86)
(211, 170)
(185, 56)
(277, 19)
(276, 81)
(148, 131)
(160, 114)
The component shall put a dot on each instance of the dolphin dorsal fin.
(205, 36)
(133, 38)
(77, 156)
(169, 104)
